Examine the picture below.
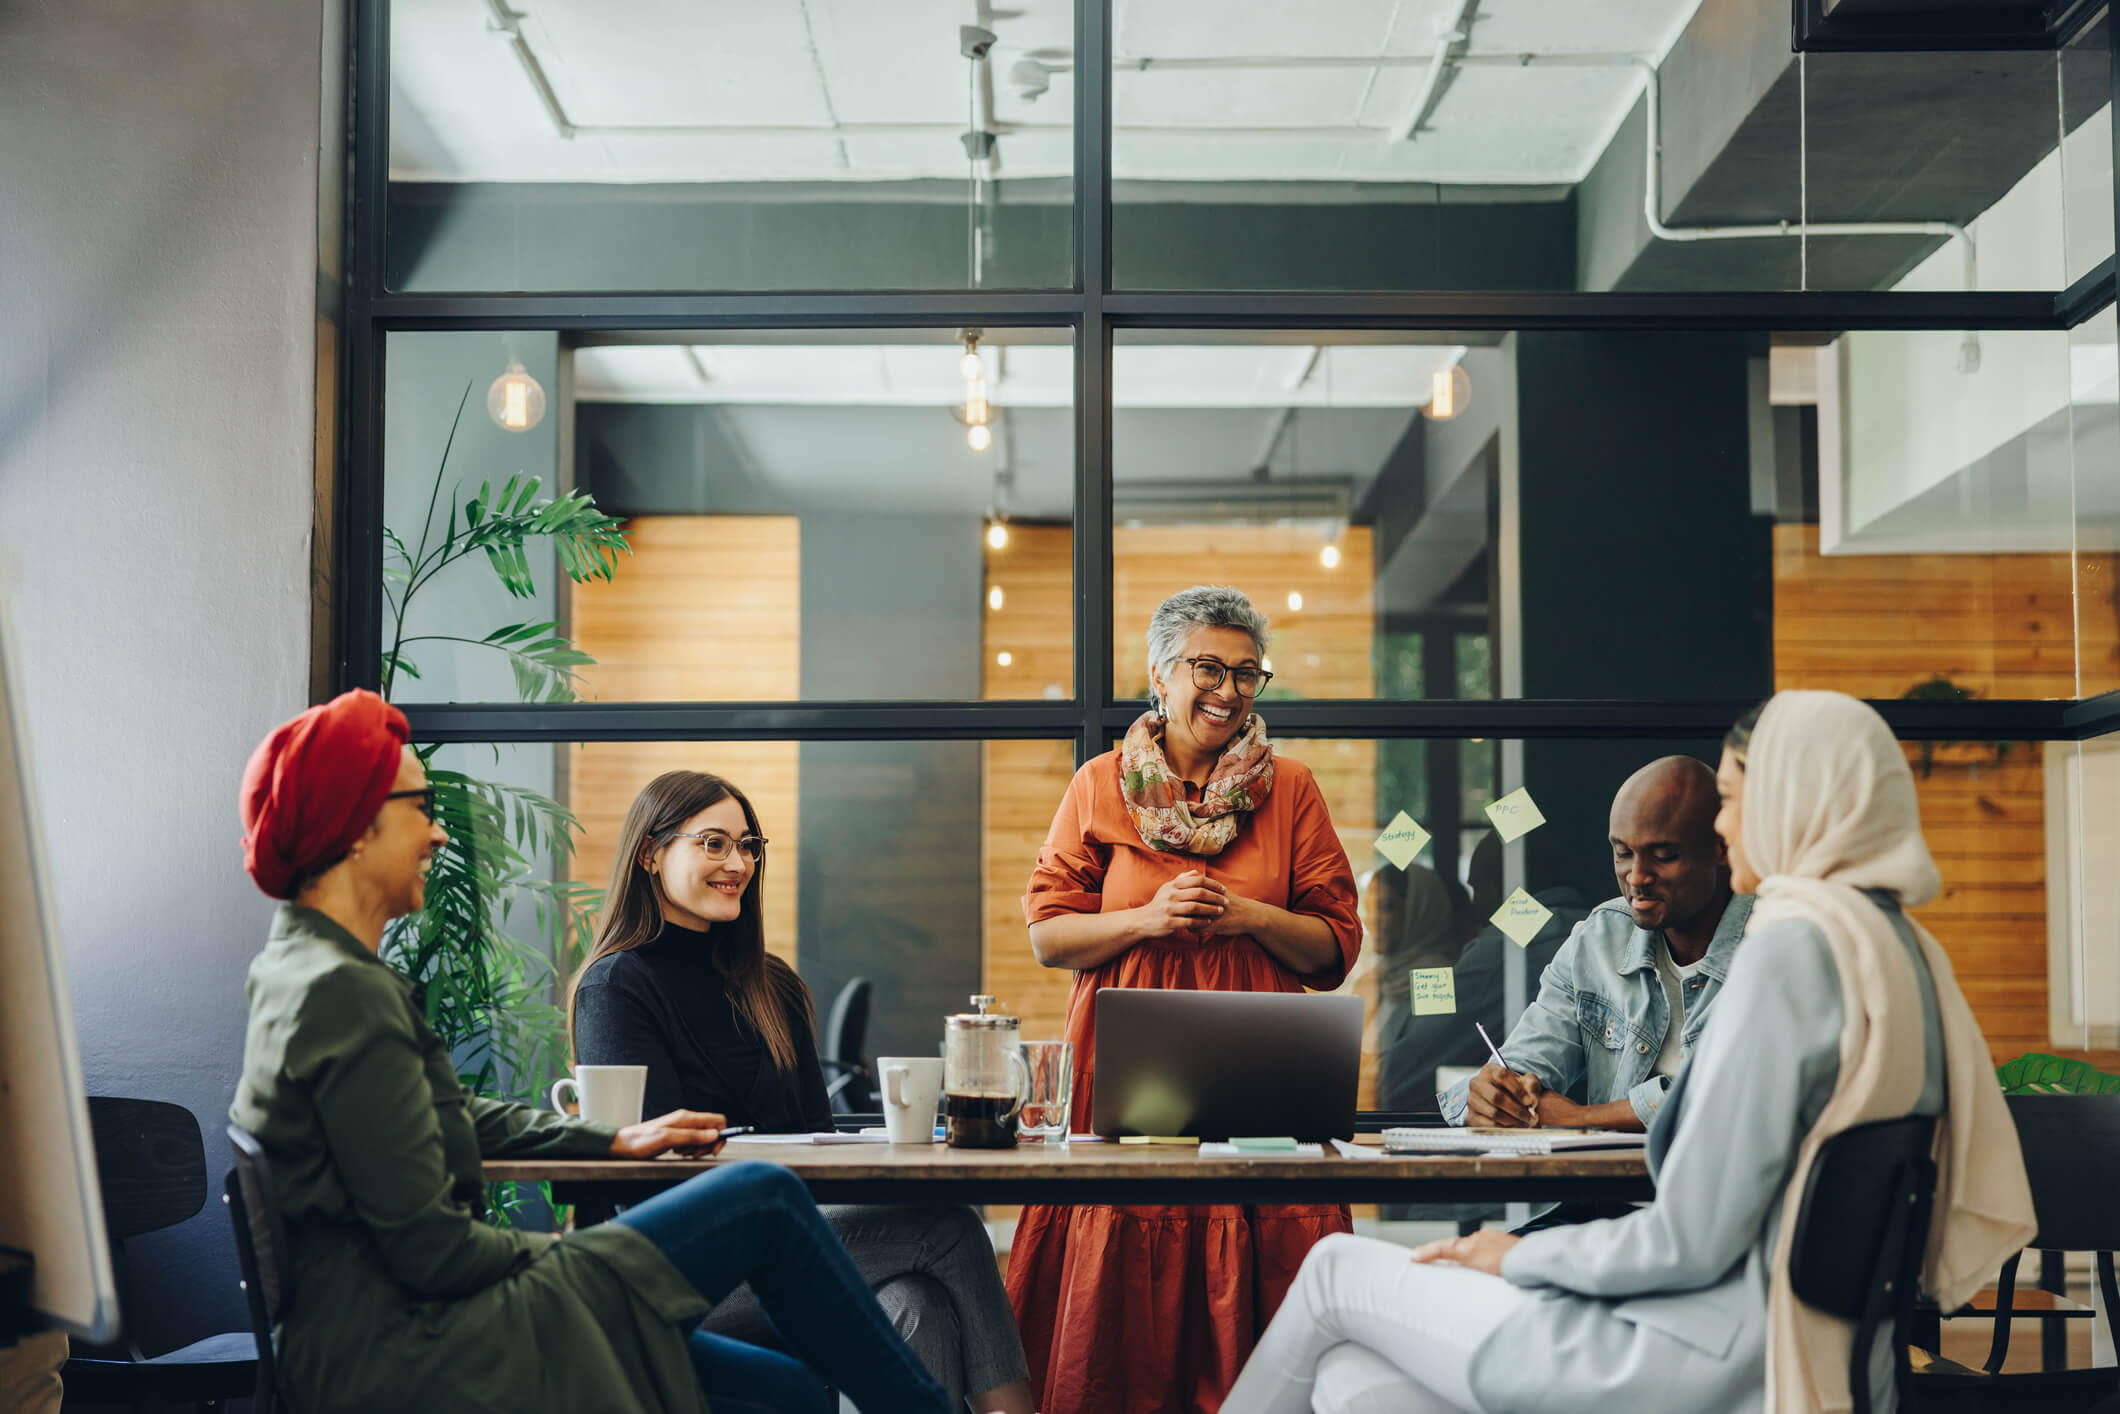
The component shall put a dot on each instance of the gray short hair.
(1202, 606)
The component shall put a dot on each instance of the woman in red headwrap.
(400, 1296)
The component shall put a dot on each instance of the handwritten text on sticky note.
(1434, 991)
(1520, 917)
(1402, 839)
(1514, 815)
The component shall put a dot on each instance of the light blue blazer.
(1666, 1308)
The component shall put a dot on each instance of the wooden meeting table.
(1106, 1172)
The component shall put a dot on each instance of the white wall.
(158, 243)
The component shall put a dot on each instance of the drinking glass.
(1045, 1113)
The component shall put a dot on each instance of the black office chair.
(2071, 1146)
(1860, 1232)
(151, 1169)
(261, 1252)
(850, 1081)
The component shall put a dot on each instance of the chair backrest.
(261, 1251)
(1864, 1220)
(150, 1163)
(846, 1034)
(2071, 1147)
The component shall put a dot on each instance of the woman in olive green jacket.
(402, 1299)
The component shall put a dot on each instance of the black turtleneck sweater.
(663, 1006)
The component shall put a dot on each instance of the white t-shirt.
(1673, 1054)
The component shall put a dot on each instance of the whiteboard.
(50, 1206)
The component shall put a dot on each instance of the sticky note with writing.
(1520, 917)
(1402, 840)
(1434, 991)
(1514, 815)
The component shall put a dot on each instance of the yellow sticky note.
(1515, 816)
(1434, 991)
(1520, 917)
(1402, 840)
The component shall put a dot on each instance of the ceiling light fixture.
(514, 400)
(976, 413)
(1295, 601)
(1004, 658)
(1330, 557)
(1449, 391)
(994, 598)
(997, 536)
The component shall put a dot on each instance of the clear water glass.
(1045, 1113)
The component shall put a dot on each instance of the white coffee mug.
(605, 1094)
(911, 1086)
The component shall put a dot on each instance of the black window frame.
(1093, 310)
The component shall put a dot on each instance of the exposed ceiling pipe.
(1450, 35)
(509, 23)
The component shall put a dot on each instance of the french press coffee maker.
(984, 1078)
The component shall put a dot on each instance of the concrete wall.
(157, 402)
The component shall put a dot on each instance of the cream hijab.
(1830, 809)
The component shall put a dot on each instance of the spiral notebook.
(1506, 1141)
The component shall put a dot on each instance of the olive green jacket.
(402, 1298)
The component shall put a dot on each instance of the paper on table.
(1434, 991)
(1231, 1151)
(1521, 916)
(1401, 840)
(1515, 816)
(1349, 1150)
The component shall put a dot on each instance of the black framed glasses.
(424, 799)
(1209, 672)
(716, 846)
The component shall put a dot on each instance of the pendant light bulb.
(995, 598)
(1449, 391)
(970, 366)
(997, 536)
(1330, 557)
(515, 401)
(978, 437)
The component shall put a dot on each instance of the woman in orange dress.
(1193, 857)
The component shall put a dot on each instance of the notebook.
(1506, 1141)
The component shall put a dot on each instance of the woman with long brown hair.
(401, 1297)
(680, 981)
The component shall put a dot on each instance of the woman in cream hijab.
(1840, 1010)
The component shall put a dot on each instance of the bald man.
(1622, 1002)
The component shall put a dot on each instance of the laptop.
(1215, 1064)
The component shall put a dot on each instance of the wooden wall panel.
(707, 608)
(2003, 626)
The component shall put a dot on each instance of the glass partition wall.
(899, 366)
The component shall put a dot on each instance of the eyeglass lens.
(1208, 675)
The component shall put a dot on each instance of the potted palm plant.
(502, 923)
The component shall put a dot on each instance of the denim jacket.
(1598, 1025)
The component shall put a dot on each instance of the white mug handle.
(567, 1082)
(894, 1085)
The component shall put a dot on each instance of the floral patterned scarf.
(1239, 783)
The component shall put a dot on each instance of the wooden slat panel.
(2003, 626)
(708, 608)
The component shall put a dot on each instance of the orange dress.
(1154, 1310)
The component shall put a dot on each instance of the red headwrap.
(315, 784)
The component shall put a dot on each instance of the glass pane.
(1617, 515)
(2094, 406)
(2085, 995)
(2087, 150)
(1434, 145)
(838, 144)
(900, 862)
(1993, 814)
(824, 517)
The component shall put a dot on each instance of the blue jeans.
(756, 1223)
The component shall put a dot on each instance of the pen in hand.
(1492, 1050)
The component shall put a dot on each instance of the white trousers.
(1366, 1330)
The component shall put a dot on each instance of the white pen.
(1491, 1050)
